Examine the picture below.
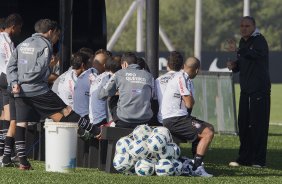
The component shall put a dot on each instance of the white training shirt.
(161, 83)
(64, 86)
(97, 107)
(6, 49)
(81, 91)
(172, 103)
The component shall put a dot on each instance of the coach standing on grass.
(254, 108)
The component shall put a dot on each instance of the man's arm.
(109, 89)
(258, 49)
(12, 69)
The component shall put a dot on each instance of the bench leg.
(93, 157)
(103, 144)
(110, 156)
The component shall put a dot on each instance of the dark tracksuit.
(254, 107)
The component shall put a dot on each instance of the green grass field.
(276, 103)
(222, 150)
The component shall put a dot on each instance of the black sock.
(194, 147)
(20, 144)
(9, 145)
(2, 140)
(198, 159)
(5, 127)
(85, 124)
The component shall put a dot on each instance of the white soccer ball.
(122, 162)
(156, 143)
(167, 153)
(176, 149)
(141, 132)
(177, 167)
(138, 149)
(164, 167)
(122, 145)
(131, 171)
(144, 167)
(163, 131)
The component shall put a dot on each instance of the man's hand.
(231, 65)
(16, 89)
(100, 134)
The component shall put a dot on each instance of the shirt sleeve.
(12, 68)
(109, 89)
(182, 87)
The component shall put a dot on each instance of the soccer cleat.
(9, 164)
(234, 164)
(25, 167)
(200, 171)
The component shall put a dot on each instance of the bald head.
(192, 62)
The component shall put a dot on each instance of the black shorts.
(185, 128)
(8, 98)
(41, 106)
(12, 107)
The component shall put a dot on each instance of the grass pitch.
(222, 150)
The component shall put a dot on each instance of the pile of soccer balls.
(147, 151)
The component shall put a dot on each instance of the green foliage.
(220, 21)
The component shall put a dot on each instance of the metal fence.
(215, 101)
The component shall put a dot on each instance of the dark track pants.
(253, 121)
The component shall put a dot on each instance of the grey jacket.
(29, 66)
(135, 87)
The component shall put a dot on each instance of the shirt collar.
(134, 66)
(7, 36)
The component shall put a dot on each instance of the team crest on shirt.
(196, 125)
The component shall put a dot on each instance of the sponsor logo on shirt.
(134, 79)
(22, 61)
(176, 95)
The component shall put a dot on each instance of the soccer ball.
(176, 150)
(156, 143)
(122, 146)
(138, 149)
(141, 132)
(163, 131)
(177, 167)
(144, 167)
(167, 153)
(131, 171)
(122, 162)
(164, 167)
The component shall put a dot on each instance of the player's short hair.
(86, 50)
(44, 25)
(129, 57)
(103, 51)
(13, 20)
(112, 65)
(252, 19)
(175, 61)
(78, 59)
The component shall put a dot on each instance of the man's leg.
(244, 131)
(10, 141)
(259, 118)
(20, 145)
